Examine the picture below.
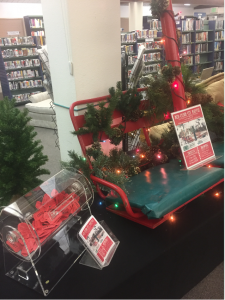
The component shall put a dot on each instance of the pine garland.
(21, 157)
(158, 7)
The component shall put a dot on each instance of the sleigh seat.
(154, 194)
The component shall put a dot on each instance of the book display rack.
(202, 43)
(21, 72)
(154, 51)
(35, 27)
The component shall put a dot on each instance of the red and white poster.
(193, 136)
(97, 240)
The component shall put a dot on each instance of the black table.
(162, 263)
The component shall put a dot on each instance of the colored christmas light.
(116, 205)
(189, 101)
(159, 156)
(171, 218)
(175, 85)
(118, 171)
(138, 150)
(142, 156)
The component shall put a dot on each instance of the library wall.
(124, 23)
(14, 24)
(19, 10)
(96, 58)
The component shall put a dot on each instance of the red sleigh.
(154, 194)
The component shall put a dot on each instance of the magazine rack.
(88, 259)
(39, 230)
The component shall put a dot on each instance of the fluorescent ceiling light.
(187, 4)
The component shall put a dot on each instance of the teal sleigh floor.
(160, 189)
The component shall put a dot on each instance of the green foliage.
(214, 117)
(128, 104)
(115, 168)
(98, 120)
(170, 72)
(188, 80)
(21, 157)
(158, 7)
(159, 97)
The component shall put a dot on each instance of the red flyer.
(193, 137)
(97, 240)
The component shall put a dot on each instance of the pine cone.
(117, 132)
(136, 115)
(188, 96)
(176, 70)
(96, 146)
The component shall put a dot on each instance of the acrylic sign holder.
(88, 259)
(39, 230)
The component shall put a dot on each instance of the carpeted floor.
(211, 287)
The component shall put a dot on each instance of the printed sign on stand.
(98, 242)
(193, 137)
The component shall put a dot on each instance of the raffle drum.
(39, 230)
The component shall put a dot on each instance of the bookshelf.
(202, 43)
(20, 69)
(154, 52)
(35, 27)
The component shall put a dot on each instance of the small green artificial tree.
(21, 156)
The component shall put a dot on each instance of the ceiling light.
(187, 4)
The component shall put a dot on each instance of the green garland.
(100, 120)
(118, 166)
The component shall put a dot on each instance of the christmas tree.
(21, 157)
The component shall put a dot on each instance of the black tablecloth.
(162, 263)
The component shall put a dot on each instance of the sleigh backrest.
(86, 139)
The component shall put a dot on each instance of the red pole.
(172, 56)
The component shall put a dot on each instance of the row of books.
(150, 45)
(217, 45)
(219, 35)
(20, 74)
(36, 23)
(40, 40)
(217, 55)
(218, 65)
(38, 33)
(219, 24)
(201, 48)
(155, 24)
(202, 36)
(128, 37)
(20, 40)
(22, 63)
(188, 60)
(197, 59)
(187, 24)
(24, 97)
(16, 85)
(151, 68)
(186, 49)
(151, 56)
(186, 38)
(128, 48)
(19, 52)
(199, 24)
(146, 33)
